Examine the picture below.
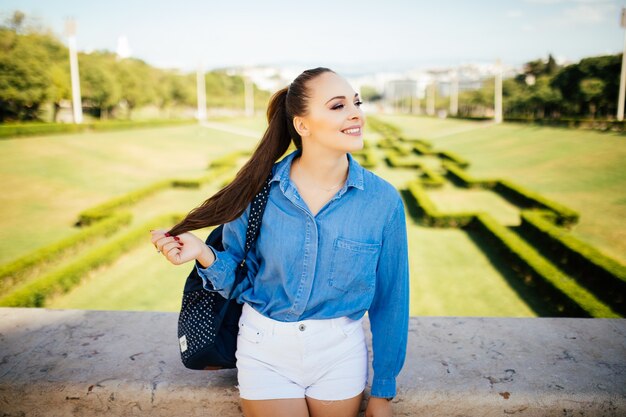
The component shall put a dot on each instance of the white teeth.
(354, 130)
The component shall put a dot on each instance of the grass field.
(49, 180)
(584, 170)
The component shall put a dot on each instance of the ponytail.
(232, 200)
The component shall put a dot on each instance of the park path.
(225, 127)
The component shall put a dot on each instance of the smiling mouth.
(356, 131)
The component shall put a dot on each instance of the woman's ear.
(301, 127)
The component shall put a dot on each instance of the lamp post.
(622, 79)
(201, 93)
(430, 99)
(77, 106)
(454, 94)
(249, 95)
(498, 93)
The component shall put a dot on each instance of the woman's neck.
(323, 170)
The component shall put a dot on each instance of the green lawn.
(49, 180)
(584, 170)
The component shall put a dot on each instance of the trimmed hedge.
(460, 176)
(366, 158)
(570, 297)
(514, 193)
(603, 275)
(13, 130)
(422, 149)
(451, 156)
(414, 141)
(12, 272)
(228, 160)
(430, 215)
(593, 124)
(521, 196)
(430, 178)
(383, 128)
(107, 208)
(395, 160)
(32, 129)
(386, 143)
(35, 293)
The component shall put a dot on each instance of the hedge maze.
(572, 278)
(105, 234)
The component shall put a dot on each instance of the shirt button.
(302, 327)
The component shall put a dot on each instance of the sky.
(354, 36)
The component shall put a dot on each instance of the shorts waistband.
(250, 315)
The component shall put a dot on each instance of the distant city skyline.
(351, 37)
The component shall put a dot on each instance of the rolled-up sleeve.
(220, 275)
(389, 311)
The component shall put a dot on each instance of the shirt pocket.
(353, 265)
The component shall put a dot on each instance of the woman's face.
(334, 119)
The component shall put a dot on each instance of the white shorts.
(322, 359)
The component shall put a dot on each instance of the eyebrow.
(355, 95)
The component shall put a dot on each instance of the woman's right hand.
(178, 249)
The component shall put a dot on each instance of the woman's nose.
(355, 113)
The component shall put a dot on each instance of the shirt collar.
(283, 167)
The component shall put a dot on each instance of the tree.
(24, 76)
(99, 89)
(569, 82)
(369, 93)
(543, 98)
(592, 90)
(174, 89)
(32, 62)
(135, 79)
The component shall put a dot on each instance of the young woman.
(332, 246)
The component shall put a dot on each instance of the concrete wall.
(118, 363)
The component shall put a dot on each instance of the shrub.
(602, 274)
(12, 272)
(35, 293)
(530, 199)
(570, 298)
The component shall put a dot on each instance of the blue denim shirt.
(350, 258)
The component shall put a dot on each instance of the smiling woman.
(332, 246)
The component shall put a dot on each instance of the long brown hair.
(231, 201)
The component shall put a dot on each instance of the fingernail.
(167, 234)
(176, 238)
(181, 244)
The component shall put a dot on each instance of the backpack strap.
(256, 214)
(254, 226)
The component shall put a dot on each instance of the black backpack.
(208, 323)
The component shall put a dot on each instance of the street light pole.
(622, 79)
(249, 95)
(201, 93)
(454, 94)
(498, 93)
(430, 99)
(77, 106)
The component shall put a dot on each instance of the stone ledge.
(86, 362)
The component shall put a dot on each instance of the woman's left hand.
(378, 407)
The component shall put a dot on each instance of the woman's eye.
(338, 106)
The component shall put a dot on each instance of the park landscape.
(504, 220)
